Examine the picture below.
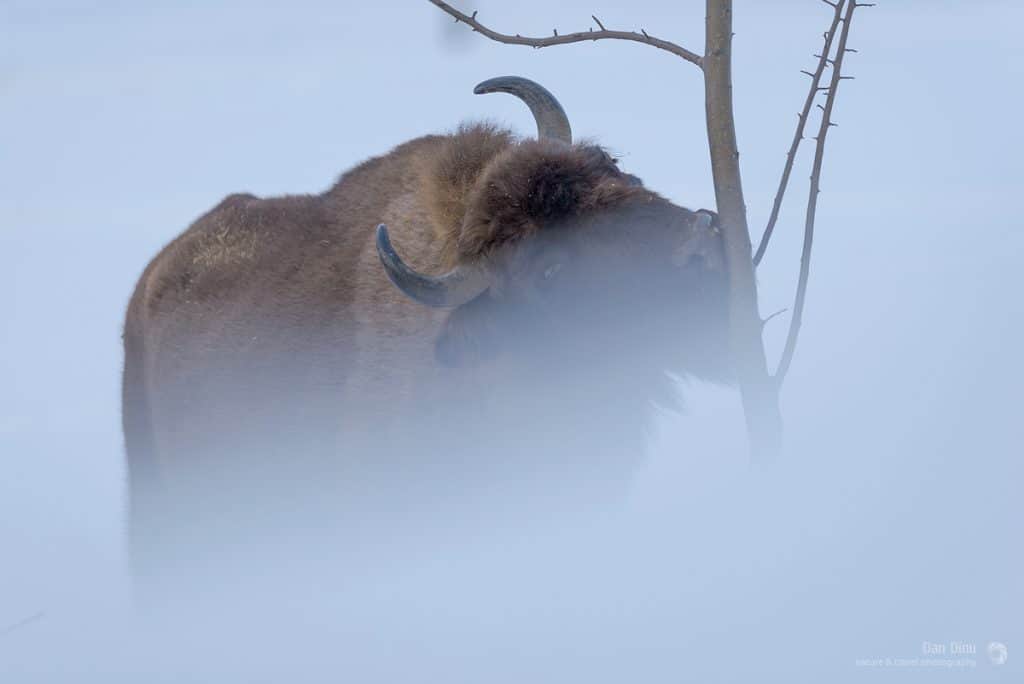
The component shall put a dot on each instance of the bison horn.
(550, 117)
(452, 289)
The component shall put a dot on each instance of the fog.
(885, 531)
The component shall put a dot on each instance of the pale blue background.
(896, 516)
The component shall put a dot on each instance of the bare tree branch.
(777, 313)
(578, 37)
(758, 390)
(21, 623)
(823, 61)
(812, 200)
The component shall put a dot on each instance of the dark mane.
(486, 189)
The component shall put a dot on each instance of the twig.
(20, 623)
(812, 200)
(777, 313)
(823, 61)
(577, 37)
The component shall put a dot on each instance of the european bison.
(471, 312)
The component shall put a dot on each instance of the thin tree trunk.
(757, 389)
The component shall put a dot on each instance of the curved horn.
(549, 115)
(454, 288)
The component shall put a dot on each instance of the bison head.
(553, 248)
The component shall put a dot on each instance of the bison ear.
(468, 336)
(702, 245)
(710, 218)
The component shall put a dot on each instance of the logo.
(997, 653)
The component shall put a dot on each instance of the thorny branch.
(812, 201)
(578, 37)
(823, 61)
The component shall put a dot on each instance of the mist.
(886, 529)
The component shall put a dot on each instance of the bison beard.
(276, 378)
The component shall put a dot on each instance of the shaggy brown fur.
(449, 178)
(270, 322)
(484, 191)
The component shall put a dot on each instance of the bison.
(469, 314)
